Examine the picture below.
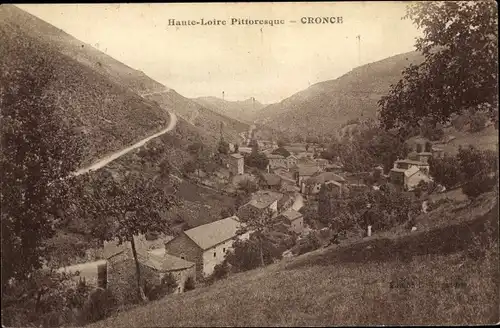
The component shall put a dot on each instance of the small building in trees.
(236, 164)
(263, 203)
(276, 161)
(293, 220)
(270, 181)
(303, 173)
(313, 184)
(408, 178)
(206, 245)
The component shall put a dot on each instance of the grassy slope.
(435, 280)
(326, 105)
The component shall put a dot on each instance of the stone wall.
(183, 247)
(122, 281)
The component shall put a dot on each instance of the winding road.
(111, 157)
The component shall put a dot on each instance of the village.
(293, 177)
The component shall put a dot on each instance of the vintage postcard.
(249, 164)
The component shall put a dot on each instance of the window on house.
(182, 257)
(224, 250)
(215, 254)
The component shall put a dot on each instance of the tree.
(324, 204)
(257, 160)
(223, 147)
(459, 71)
(478, 121)
(196, 147)
(38, 152)
(477, 167)
(281, 151)
(236, 148)
(133, 207)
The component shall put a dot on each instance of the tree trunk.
(140, 296)
(261, 253)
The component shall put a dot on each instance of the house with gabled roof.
(292, 219)
(206, 245)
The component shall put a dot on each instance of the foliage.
(44, 299)
(189, 167)
(281, 151)
(308, 244)
(38, 151)
(476, 167)
(236, 148)
(257, 159)
(99, 305)
(196, 147)
(445, 171)
(248, 186)
(189, 284)
(131, 206)
(167, 285)
(431, 130)
(459, 43)
(221, 271)
(372, 146)
(478, 121)
(223, 147)
(252, 253)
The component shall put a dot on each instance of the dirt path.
(109, 158)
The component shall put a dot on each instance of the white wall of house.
(214, 256)
(274, 206)
(414, 180)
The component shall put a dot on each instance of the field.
(443, 276)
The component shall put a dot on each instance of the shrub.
(167, 285)
(478, 121)
(308, 244)
(99, 305)
(446, 171)
(478, 185)
(189, 284)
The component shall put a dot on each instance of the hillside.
(246, 110)
(128, 79)
(106, 113)
(208, 121)
(433, 276)
(325, 106)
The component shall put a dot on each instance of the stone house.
(206, 245)
(236, 164)
(263, 203)
(270, 181)
(312, 186)
(304, 172)
(93, 273)
(121, 269)
(276, 161)
(408, 178)
(293, 220)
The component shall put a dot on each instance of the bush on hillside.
(189, 284)
(167, 285)
(257, 159)
(477, 168)
(478, 121)
(100, 305)
(445, 171)
(308, 244)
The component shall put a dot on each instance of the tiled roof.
(238, 156)
(291, 215)
(211, 234)
(271, 179)
(275, 156)
(308, 170)
(323, 177)
(263, 198)
(409, 161)
(163, 262)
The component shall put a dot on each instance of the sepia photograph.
(249, 164)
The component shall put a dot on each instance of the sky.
(267, 62)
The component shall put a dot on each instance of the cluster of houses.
(194, 253)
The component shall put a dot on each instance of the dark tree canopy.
(38, 150)
(459, 73)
